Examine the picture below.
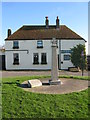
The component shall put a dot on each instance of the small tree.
(78, 57)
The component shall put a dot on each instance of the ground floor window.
(66, 57)
(35, 58)
(15, 58)
(43, 58)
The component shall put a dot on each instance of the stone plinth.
(54, 82)
(34, 83)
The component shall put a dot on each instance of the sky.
(72, 14)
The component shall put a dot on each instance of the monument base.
(34, 83)
(54, 82)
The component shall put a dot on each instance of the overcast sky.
(72, 14)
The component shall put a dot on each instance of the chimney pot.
(46, 17)
(57, 22)
(57, 17)
(47, 22)
(9, 32)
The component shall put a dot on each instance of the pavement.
(38, 73)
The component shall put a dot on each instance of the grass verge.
(17, 103)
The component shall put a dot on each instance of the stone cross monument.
(54, 70)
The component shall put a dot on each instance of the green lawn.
(17, 103)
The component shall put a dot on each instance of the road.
(38, 73)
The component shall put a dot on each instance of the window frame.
(45, 62)
(35, 63)
(14, 46)
(15, 63)
(65, 58)
(38, 42)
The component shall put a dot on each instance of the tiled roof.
(41, 32)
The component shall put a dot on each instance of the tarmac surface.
(38, 73)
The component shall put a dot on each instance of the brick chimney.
(57, 22)
(9, 32)
(47, 22)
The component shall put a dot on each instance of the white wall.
(26, 59)
(66, 45)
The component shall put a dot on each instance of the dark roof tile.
(40, 32)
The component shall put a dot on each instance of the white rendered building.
(2, 58)
(29, 48)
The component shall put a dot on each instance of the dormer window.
(15, 44)
(39, 44)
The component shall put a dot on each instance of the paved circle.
(68, 86)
